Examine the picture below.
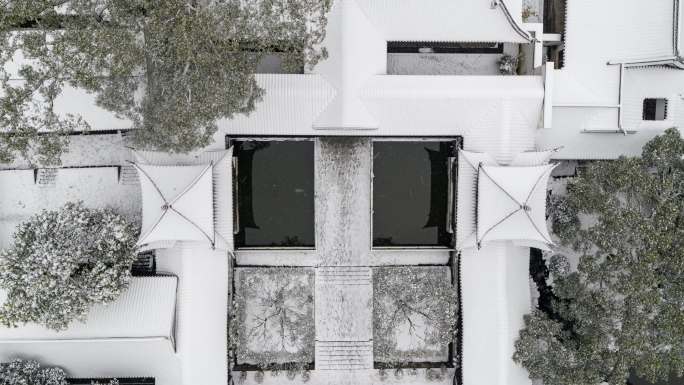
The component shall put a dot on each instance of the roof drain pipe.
(675, 32)
(516, 27)
(620, 97)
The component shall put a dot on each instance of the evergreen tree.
(622, 309)
(64, 261)
(20, 372)
(172, 67)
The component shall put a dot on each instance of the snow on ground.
(343, 312)
(447, 64)
(21, 197)
(343, 201)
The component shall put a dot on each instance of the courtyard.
(314, 294)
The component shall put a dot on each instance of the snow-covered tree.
(622, 309)
(20, 372)
(421, 298)
(282, 323)
(62, 262)
(173, 67)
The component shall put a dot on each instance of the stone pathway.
(344, 313)
(344, 285)
(341, 355)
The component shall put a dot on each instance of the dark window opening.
(274, 193)
(561, 59)
(554, 16)
(443, 47)
(655, 109)
(145, 265)
(106, 381)
(413, 187)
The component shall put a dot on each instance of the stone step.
(344, 355)
(344, 275)
(128, 176)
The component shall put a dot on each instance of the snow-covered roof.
(115, 358)
(511, 203)
(145, 310)
(185, 198)
(356, 39)
(495, 295)
(444, 20)
(592, 93)
(502, 203)
(78, 102)
(201, 333)
(177, 203)
(498, 114)
(21, 196)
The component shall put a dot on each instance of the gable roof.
(145, 310)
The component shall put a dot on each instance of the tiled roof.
(145, 310)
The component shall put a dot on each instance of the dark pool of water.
(410, 188)
(275, 196)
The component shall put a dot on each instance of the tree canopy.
(64, 261)
(20, 372)
(273, 310)
(622, 308)
(171, 67)
(421, 299)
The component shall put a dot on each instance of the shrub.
(398, 373)
(528, 12)
(242, 377)
(564, 220)
(63, 262)
(259, 377)
(508, 65)
(433, 374)
(20, 372)
(382, 373)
